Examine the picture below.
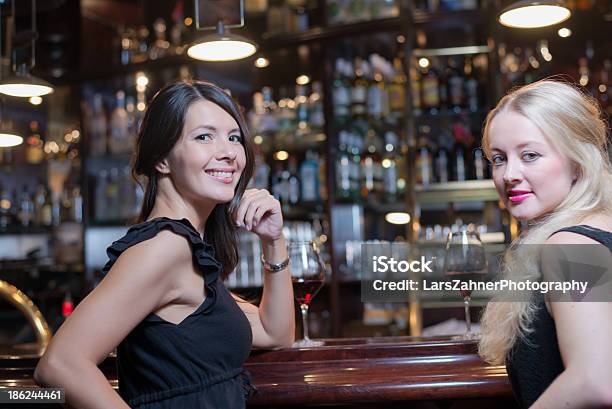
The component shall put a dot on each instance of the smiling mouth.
(221, 175)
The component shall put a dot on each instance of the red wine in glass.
(305, 289)
(465, 260)
(307, 275)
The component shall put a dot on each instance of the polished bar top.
(344, 371)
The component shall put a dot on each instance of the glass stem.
(468, 320)
(304, 308)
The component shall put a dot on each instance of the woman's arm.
(138, 283)
(273, 323)
(584, 333)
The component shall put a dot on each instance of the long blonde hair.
(572, 122)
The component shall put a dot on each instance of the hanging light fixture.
(221, 45)
(21, 83)
(534, 13)
(8, 135)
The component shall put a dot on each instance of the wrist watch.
(274, 267)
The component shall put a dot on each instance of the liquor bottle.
(101, 208)
(256, 114)
(293, 180)
(39, 201)
(285, 189)
(309, 175)
(126, 194)
(456, 82)
(397, 91)
(471, 85)
(77, 205)
(424, 168)
(315, 107)
(322, 165)
(443, 86)
(389, 166)
(480, 166)
(120, 133)
(459, 170)
(56, 207)
(277, 181)
(301, 109)
(132, 120)
(47, 209)
(26, 208)
(431, 95)
(5, 208)
(341, 92)
(262, 172)
(359, 89)
(415, 90)
(126, 46)
(268, 123)
(112, 195)
(178, 30)
(65, 205)
(376, 97)
(343, 172)
(286, 113)
(371, 165)
(34, 145)
(160, 45)
(441, 165)
(98, 128)
(356, 143)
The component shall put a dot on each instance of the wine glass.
(308, 275)
(465, 260)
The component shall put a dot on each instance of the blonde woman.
(547, 145)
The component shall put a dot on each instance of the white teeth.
(221, 174)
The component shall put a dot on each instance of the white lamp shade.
(225, 49)
(533, 15)
(7, 140)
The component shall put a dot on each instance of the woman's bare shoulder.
(599, 221)
(153, 257)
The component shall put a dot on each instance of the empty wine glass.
(308, 276)
(465, 260)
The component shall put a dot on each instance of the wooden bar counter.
(357, 373)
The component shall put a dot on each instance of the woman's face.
(207, 161)
(531, 176)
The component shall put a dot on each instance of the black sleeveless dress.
(532, 368)
(194, 364)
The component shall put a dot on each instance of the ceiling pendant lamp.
(21, 83)
(534, 13)
(8, 136)
(221, 45)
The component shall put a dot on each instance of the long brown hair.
(161, 129)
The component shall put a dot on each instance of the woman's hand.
(260, 213)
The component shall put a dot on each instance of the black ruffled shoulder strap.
(203, 253)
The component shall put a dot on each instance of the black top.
(534, 363)
(196, 363)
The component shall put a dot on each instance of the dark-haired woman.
(181, 337)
